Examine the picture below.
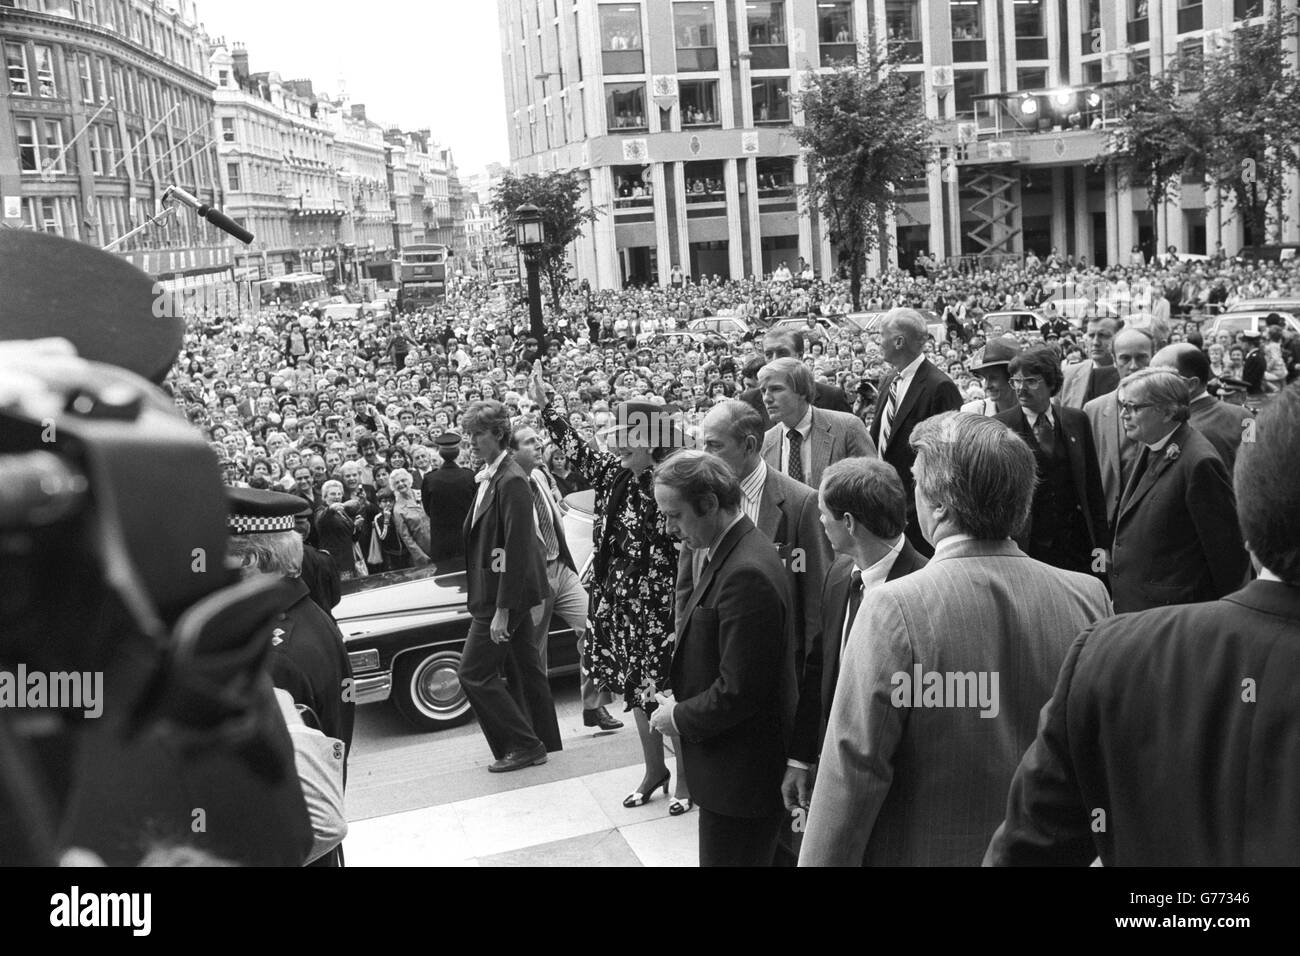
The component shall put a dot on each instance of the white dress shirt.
(488, 473)
(1032, 417)
(804, 428)
(751, 491)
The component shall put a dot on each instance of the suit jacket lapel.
(820, 457)
(769, 506)
(907, 402)
(839, 598)
(1157, 465)
(702, 585)
(1074, 448)
(489, 495)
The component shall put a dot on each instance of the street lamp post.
(529, 234)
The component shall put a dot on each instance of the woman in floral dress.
(633, 577)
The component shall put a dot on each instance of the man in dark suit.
(944, 672)
(783, 509)
(732, 675)
(805, 439)
(864, 510)
(790, 344)
(1116, 451)
(446, 494)
(1096, 375)
(505, 572)
(1222, 424)
(914, 391)
(1067, 524)
(1212, 778)
(1177, 540)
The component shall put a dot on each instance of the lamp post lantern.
(529, 235)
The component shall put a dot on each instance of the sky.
(413, 63)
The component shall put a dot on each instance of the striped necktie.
(545, 522)
(891, 406)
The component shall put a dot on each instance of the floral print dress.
(633, 576)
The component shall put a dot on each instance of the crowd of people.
(936, 479)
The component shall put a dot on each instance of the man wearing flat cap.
(991, 365)
(447, 493)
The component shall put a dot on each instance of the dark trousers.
(482, 673)
(738, 841)
(529, 685)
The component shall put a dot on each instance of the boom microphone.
(218, 219)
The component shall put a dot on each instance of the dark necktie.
(794, 464)
(1045, 434)
(855, 602)
(1139, 470)
(545, 523)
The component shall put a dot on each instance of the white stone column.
(1060, 237)
(663, 248)
(603, 229)
(679, 200)
(935, 188)
(1082, 217)
(805, 214)
(750, 199)
(735, 252)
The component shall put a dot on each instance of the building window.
(966, 85)
(968, 44)
(625, 107)
(1139, 24)
(835, 32)
(87, 78)
(16, 65)
(903, 20)
(101, 69)
(771, 100)
(1189, 16)
(45, 72)
(1033, 78)
(1031, 32)
(697, 38)
(52, 146)
(767, 39)
(698, 100)
(620, 38)
(232, 177)
(227, 129)
(775, 178)
(1191, 62)
(1247, 9)
(632, 187)
(96, 151)
(705, 183)
(28, 151)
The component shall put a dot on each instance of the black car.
(405, 631)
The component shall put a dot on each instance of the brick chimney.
(239, 59)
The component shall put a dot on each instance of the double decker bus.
(422, 276)
(294, 290)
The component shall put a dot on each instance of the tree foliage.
(558, 194)
(1230, 117)
(866, 134)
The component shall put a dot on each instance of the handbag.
(376, 554)
(359, 561)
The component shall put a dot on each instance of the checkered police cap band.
(246, 524)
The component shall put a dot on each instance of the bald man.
(914, 391)
(1116, 452)
(1223, 424)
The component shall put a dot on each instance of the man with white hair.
(915, 390)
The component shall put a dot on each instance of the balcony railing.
(1003, 115)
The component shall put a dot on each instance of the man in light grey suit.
(805, 440)
(1222, 424)
(946, 669)
(1116, 452)
(784, 510)
(1096, 374)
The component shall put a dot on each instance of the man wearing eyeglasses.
(1116, 451)
(1067, 521)
(1177, 537)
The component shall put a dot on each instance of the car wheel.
(427, 692)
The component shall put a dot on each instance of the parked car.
(675, 337)
(405, 630)
(1234, 322)
(860, 322)
(719, 325)
(1284, 306)
(799, 323)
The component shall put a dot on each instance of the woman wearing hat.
(634, 568)
(991, 365)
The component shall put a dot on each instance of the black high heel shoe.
(638, 799)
